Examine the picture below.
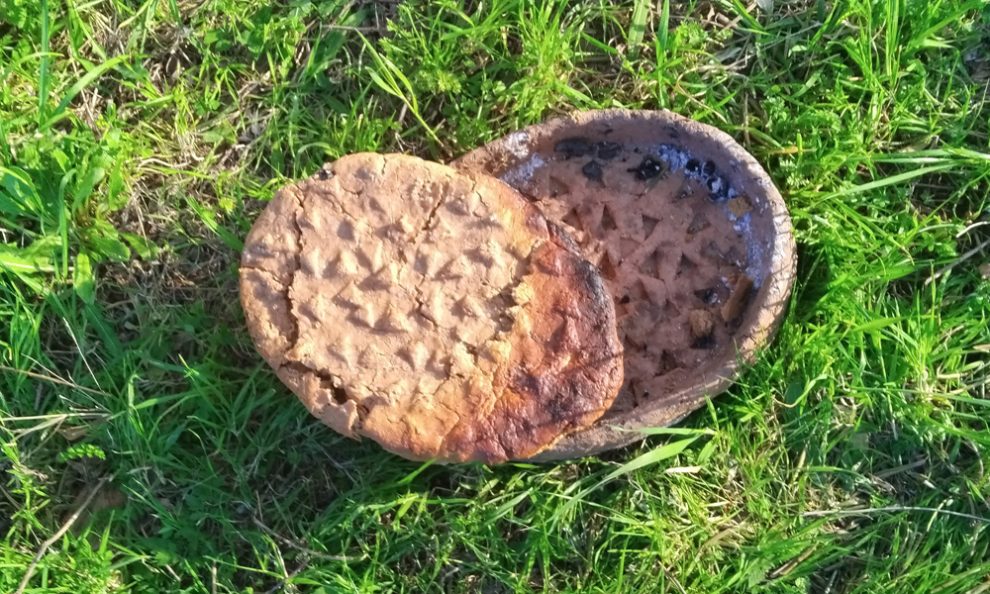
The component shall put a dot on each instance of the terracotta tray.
(690, 234)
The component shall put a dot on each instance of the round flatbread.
(435, 312)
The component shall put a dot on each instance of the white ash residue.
(754, 253)
(521, 175)
(675, 158)
(518, 144)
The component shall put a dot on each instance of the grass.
(140, 138)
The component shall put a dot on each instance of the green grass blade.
(87, 79)
(44, 74)
(655, 456)
(637, 27)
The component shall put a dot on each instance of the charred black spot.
(709, 168)
(693, 167)
(708, 296)
(526, 383)
(324, 174)
(573, 147)
(718, 189)
(592, 170)
(607, 150)
(624, 299)
(647, 169)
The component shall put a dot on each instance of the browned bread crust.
(435, 312)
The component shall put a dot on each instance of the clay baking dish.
(691, 236)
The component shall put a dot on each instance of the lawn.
(147, 448)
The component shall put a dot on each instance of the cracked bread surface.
(435, 312)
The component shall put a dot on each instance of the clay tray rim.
(770, 305)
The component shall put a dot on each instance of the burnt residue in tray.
(592, 170)
(648, 168)
(578, 146)
(573, 147)
(606, 150)
(707, 296)
(654, 164)
(718, 189)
